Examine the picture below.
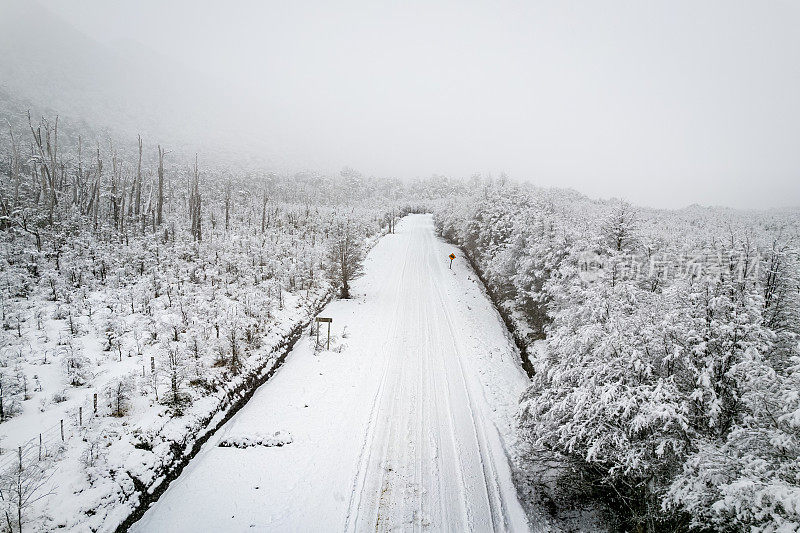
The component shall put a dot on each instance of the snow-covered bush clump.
(279, 438)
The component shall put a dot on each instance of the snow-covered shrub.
(749, 479)
(76, 365)
(279, 438)
(119, 393)
(92, 454)
(172, 373)
(60, 396)
(60, 312)
(9, 395)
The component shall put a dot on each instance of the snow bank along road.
(403, 424)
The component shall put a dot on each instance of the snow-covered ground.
(405, 423)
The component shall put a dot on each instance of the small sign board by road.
(452, 256)
(328, 320)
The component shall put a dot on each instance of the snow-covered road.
(404, 424)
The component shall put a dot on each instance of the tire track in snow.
(494, 499)
(389, 509)
(367, 447)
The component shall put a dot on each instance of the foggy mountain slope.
(124, 88)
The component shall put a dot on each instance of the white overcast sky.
(663, 103)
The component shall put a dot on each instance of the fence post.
(95, 403)
(153, 374)
(40, 446)
(62, 430)
(20, 458)
(80, 415)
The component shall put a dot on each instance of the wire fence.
(51, 441)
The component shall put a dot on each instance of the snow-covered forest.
(399, 266)
(144, 294)
(664, 350)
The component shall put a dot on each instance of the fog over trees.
(665, 104)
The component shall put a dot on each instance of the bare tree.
(620, 227)
(235, 362)
(15, 167)
(345, 256)
(228, 205)
(22, 485)
(160, 196)
(119, 394)
(175, 371)
(94, 206)
(45, 160)
(195, 205)
(79, 192)
(137, 188)
(264, 201)
(117, 189)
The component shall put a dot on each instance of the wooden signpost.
(452, 256)
(328, 320)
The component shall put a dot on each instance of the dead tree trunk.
(264, 201)
(14, 168)
(135, 194)
(114, 196)
(227, 205)
(46, 160)
(160, 198)
(79, 191)
(195, 205)
(97, 184)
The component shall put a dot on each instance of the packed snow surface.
(405, 423)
